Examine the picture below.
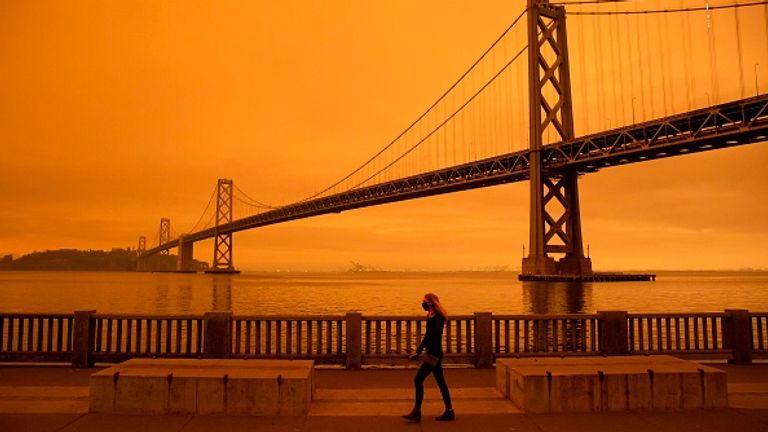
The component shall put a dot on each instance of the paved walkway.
(56, 399)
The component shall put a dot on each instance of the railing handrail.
(678, 315)
(289, 317)
(536, 317)
(146, 316)
(368, 316)
(38, 314)
(412, 317)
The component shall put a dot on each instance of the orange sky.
(114, 114)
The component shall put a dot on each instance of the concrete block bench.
(541, 385)
(170, 386)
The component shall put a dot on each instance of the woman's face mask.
(425, 305)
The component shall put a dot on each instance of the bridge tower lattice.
(141, 262)
(165, 234)
(222, 248)
(555, 220)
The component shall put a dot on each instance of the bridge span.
(549, 156)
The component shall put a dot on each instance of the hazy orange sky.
(115, 114)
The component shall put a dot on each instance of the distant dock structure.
(592, 277)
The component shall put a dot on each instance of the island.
(90, 260)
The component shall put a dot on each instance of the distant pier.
(222, 271)
(594, 277)
(210, 271)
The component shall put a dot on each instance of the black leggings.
(422, 374)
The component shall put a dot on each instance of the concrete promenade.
(49, 398)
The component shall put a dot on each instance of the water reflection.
(185, 298)
(221, 300)
(557, 297)
(161, 298)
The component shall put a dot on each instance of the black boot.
(413, 417)
(448, 415)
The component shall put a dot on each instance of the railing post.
(483, 339)
(354, 340)
(737, 335)
(218, 334)
(614, 337)
(83, 339)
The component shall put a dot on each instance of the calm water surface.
(371, 293)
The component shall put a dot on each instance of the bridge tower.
(165, 234)
(555, 220)
(141, 263)
(222, 247)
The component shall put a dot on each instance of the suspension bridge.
(622, 84)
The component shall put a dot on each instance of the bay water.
(372, 293)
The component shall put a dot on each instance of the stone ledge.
(542, 385)
(243, 387)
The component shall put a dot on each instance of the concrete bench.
(169, 386)
(541, 385)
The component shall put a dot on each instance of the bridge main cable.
(666, 10)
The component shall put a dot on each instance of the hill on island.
(89, 260)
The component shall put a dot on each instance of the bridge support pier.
(185, 262)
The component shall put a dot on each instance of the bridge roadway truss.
(726, 125)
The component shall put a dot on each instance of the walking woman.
(430, 352)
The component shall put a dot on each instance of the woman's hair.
(432, 298)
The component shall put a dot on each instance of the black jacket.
(433, 338)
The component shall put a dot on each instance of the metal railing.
(686, 333)
(120, 337)
(759, 326)
(320, 338)
(389, 338)
(541, 335)
(353, 340)
(36, 336)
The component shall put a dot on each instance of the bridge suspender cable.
(200, 219)
(738, 50)
(613, 44)
(666, 69)
(427, 111)
(598, 46)
(765, 10)
(449, 118)
(688, 59)
(628, 42)
(713, 74)
(640, 69)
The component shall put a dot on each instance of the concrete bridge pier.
(185, 262)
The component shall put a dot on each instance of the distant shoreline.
(374, 272)
(116, 260)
